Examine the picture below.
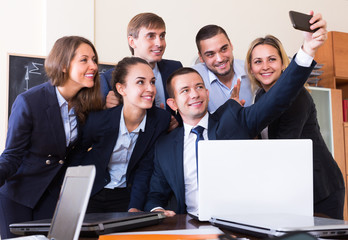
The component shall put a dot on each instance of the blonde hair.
(267, 40)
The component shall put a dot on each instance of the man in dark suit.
(175, 153)
(146, 39)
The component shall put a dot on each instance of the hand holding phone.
(300, 21)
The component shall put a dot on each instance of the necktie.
(199, 132)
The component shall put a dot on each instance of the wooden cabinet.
(339, 138)
(329, 112)
(346, 175)
(346, 141)
(334, 55)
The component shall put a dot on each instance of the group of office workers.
(139, 122)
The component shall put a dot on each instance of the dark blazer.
(299, 121)
(35, 146)
(99, 137)
(166, 67)
(230, 121)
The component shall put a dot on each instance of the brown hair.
(267, 40)
(146, 20)
(121, 71)
(179, 72)
(208, 32)
(59, 60)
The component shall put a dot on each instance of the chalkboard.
(103, 67)
(27, 71)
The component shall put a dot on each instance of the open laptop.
(70, 209)
(261, 187)
(95, 224)
(279, 224)
(73, 203)
(254, 176)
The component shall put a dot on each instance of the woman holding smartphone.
(266, 60)
(120, 141)
(43, 128)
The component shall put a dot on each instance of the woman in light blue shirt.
(43, 127)
(120, 141)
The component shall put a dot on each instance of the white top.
(190, 167)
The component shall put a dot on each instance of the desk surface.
(179, 221)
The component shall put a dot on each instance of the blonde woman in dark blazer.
(266, 60)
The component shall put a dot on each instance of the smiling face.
(216, 53)
(138, 91)
(190, 97)
(150, 44)
(266, 65)
(83, 68)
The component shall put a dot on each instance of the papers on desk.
(193, 234)
(33, 237)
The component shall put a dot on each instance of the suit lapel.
(212, 127)
(163, 68)
(143, 141)
(115, 117)
(54, 117)
(178, 162)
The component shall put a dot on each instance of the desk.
(179, 221)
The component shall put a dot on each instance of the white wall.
(68, 17)
(243, 20)
(21, 32)
(32, 26)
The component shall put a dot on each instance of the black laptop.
(271, 225)
(95, 224)
(70, 212)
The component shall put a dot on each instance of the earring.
(176, 112)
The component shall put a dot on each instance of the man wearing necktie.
(199, 132)
(175, 167)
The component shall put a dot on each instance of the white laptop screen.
(255, 176)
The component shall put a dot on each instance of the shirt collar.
(155, 69)
(203, 123)
(123, 128)
(212, 77)
(62, 102)
(239, 72)
(61, 99)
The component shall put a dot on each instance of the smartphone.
(300, 21)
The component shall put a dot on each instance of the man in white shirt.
(219, 69)
(175, 153)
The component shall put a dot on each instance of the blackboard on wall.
(27, 71)
(103, 67)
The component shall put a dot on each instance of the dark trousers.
(331, 206)
(109, 200)
(13, 212)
